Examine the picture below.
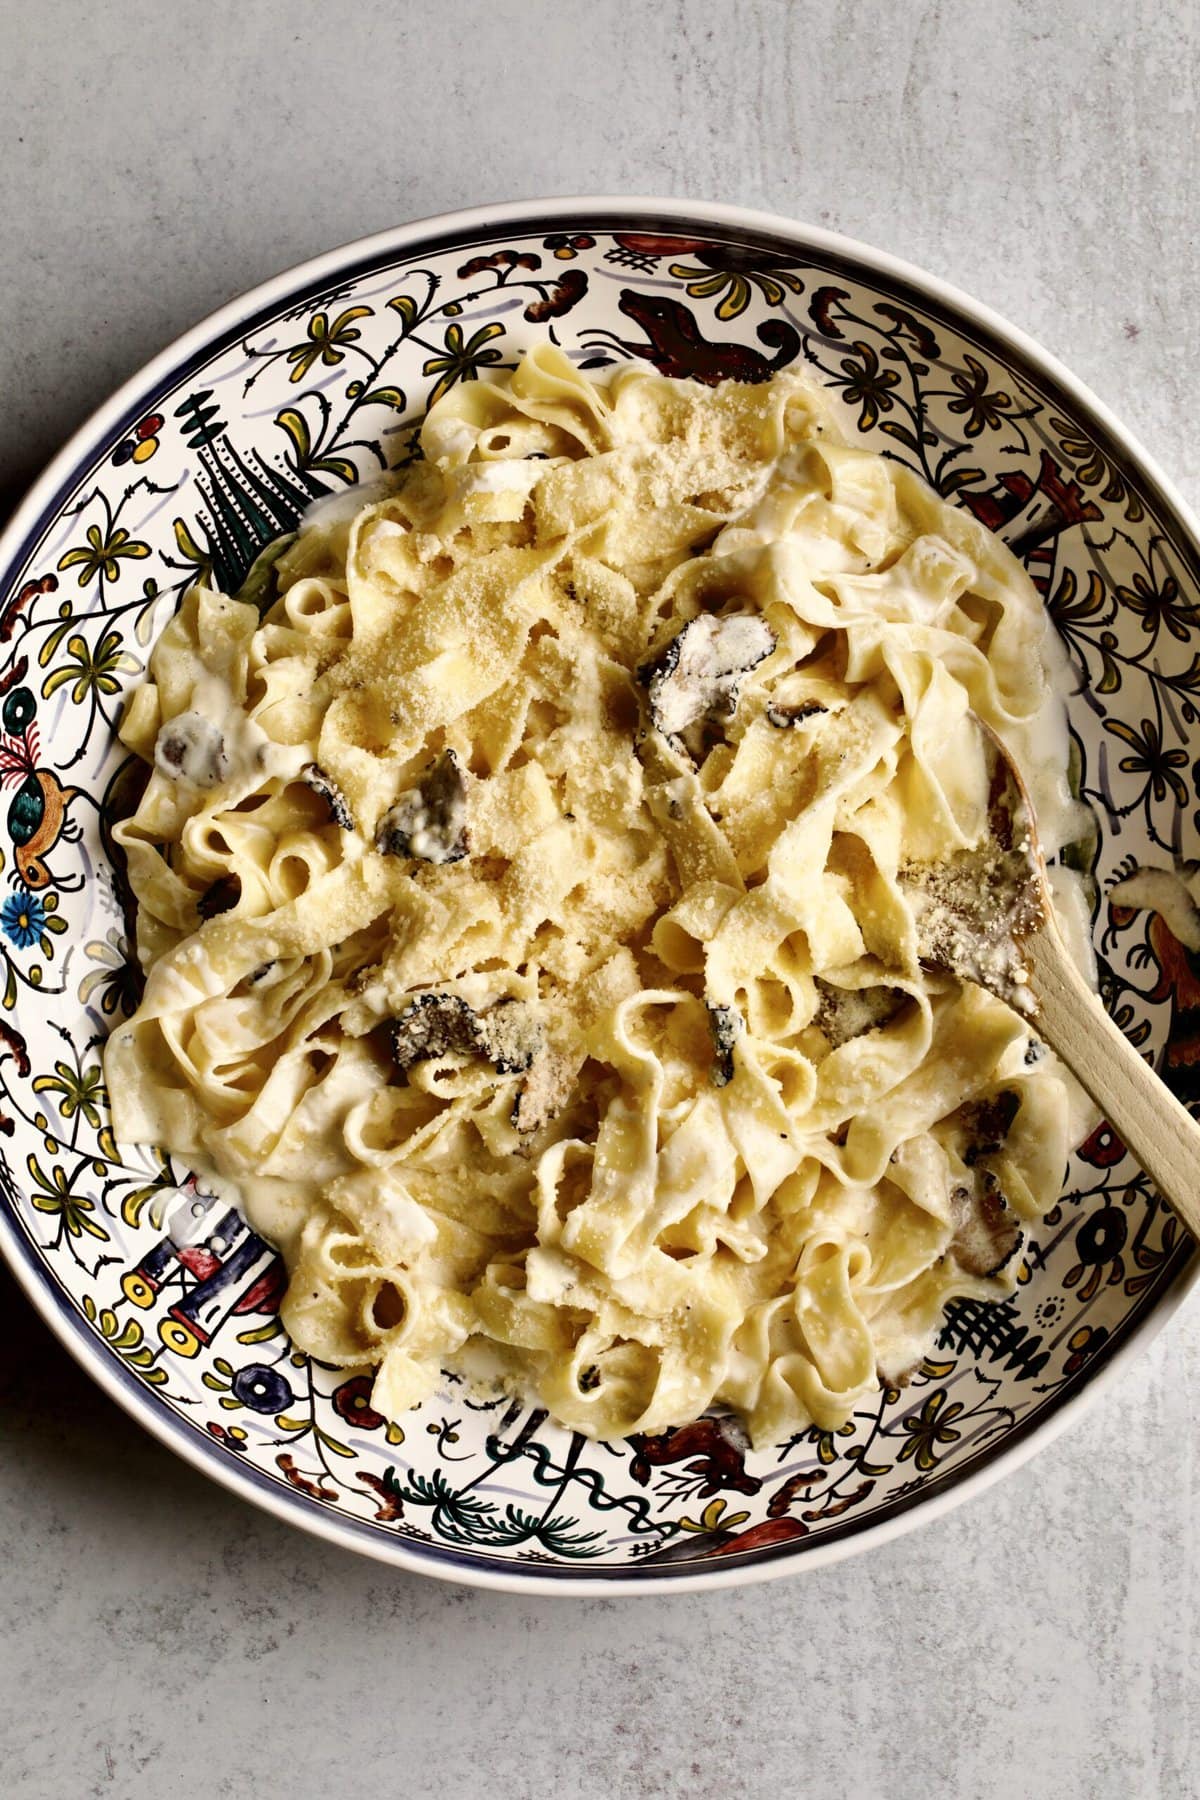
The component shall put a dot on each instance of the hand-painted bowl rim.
(110, 421)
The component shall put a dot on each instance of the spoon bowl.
(986, 915)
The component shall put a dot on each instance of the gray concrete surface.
(159, 1638)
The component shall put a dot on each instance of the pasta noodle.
(521, 898)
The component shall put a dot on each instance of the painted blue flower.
(23, 918)
(262, 1389)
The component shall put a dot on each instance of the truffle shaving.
(693, 685)
(727, 1025)
(987, 1232)
(509, 1036)
(544, 1092)
(846, 1013)
(987, 1123)
(434, 1025)
(314, 776)
(428, 822)
(783, 718)
(191, 748)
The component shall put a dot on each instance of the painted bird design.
(37, 813)
(1174, 928)
(677, 348)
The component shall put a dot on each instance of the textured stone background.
(158, 1636)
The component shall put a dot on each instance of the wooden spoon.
(986, 915)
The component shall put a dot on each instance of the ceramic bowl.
(308, 384)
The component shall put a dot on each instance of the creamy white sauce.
(1074, 919)
(191, 748)
(341, 508)
(275, 1210)
(409, 1223)
(1041, 747)
(217, 717)
(503, 476)
(448, 440)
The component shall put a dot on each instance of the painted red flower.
(352, 1402)
(1102, 1148)
(559, 299)
(503, 261)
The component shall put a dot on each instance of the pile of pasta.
(522, 902)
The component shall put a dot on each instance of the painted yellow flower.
(732, 273)
(326, 342)
(53, 1195)
(101, 554)
(463, 358)
(931, 1428)
(92, 671)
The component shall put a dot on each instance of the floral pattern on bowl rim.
(313, 382)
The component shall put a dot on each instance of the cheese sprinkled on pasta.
(520, 898)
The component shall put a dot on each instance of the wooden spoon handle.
(1152, 1124)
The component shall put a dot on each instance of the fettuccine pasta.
(521, 899)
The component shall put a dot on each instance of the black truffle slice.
(429, 822)
(433, 1025)
(191, 748)
(314, 776)
(846, 1013)
(987, 1123)
(727, 1025)
(783, 718)
(544, 1092)
(694, 683)
(221, 897)
(987, 1232)
(509, 1036)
